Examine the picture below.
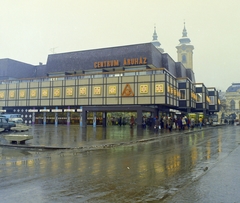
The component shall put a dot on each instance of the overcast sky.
(32, 29)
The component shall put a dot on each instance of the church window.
(184, 59)
(232, 105)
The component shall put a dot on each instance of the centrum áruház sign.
(116, 63)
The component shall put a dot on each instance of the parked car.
(5, 124)
(13, 117)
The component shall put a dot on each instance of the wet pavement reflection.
(76, 136)
(144, 172)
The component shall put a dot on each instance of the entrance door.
(50, 118)
(99, 120)
(39, 118)
(62, 118)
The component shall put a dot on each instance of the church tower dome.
(185, 50)
(155, 41)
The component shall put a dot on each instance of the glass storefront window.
(130, 74)
(142, 73)
(98, 118)
(118, 75)
(86, 76)
(182, 94)
(113, 117)
(159, 72)
(212, 101)
(98, 76)
(199, 97)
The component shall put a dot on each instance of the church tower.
(155, 41)
(185, 50)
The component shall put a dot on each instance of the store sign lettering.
(105, 64)
(116, 63)
(135, 61)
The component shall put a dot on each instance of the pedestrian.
(192, 123)
(200, 122)
(157, 123)
(120, 121)
(174, 126)
(154, 120)
(162, 122)
(188, 123)
(144, 122)
(170, 124)
(131, 121)
(184, 123)
(179, 123)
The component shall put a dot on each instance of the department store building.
(87, 87)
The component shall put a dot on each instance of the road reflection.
(76, 136)
(141, 172)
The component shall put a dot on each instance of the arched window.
(232, 105)
(184, 59)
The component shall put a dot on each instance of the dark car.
(6, 125)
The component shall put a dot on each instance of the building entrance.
(112, 114)
(123, 118)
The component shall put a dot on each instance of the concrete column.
(80, 120)
(33, 118)
(94, 119)
(44, 117)
(139, 117)
(68, 117)
(104, 119)
(80, 116)
(84, 118)
(56, 117)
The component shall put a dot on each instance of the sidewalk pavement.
(75, 137)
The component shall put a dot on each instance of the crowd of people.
(166, 122)
(170, 123)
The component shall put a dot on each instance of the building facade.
(135, 78)
(230, 103)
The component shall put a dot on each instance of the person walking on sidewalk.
(162, 123)
(132, 121)
(170, 124)
(179, 123)
(192, 123)
(200, 122)
(157, 123)
(184, 123)
(144, 120)
(120, 121)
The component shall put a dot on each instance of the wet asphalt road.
(167, 169)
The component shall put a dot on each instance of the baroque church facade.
(230, 102)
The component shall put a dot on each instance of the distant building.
(232, 100)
